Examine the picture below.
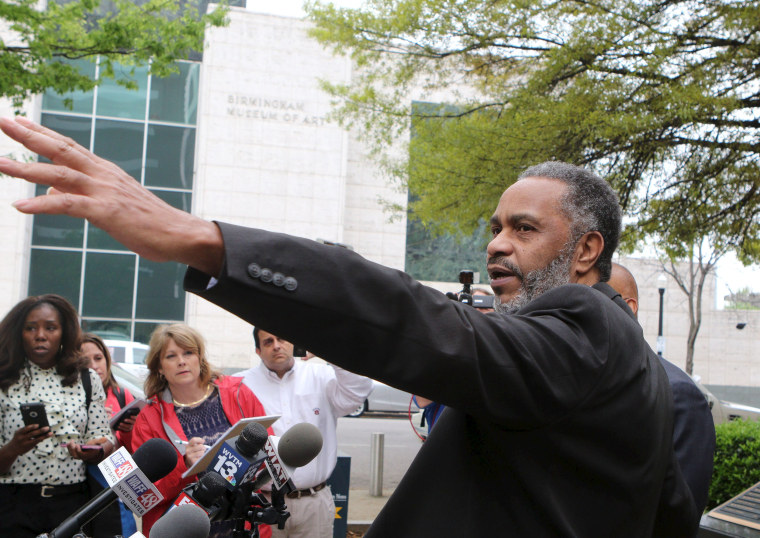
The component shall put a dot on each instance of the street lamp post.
(661, 281)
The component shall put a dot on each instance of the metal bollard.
(376, 448)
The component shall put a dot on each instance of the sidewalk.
(362, 508)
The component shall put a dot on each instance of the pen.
(181, 442)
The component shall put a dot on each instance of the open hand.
(84, 185)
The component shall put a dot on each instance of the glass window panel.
(119, 102)
(122, 143)
(118, 354)
(159, 290)
(170, 157)
(175, 98)
(107, 329)
(55, 271)
(144, 329)
(180, 200)
(81, 102)
(109, 283)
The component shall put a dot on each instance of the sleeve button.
(254, 271)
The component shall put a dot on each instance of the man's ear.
(587, 252)
(633, 304)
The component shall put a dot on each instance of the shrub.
(737, 460)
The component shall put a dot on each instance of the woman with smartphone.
(42, 461)
(115, 519)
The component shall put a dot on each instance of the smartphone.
(34, 413)
(129, 413)
(85, 447)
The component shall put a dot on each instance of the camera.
(467, 279)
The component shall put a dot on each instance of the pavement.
(363, 507)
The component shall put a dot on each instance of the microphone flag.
(126, 479)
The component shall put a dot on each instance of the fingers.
(54, 204)
(42, 141)
(127, 425)
(63, 179)
(76, 170)
(194, 451)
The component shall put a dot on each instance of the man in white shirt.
(301, 391)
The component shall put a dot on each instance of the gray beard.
(539, 281)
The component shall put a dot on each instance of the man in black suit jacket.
(693, 427)
(559, 422)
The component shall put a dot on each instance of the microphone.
(187, 521)
(206, 493)
(155, 458)
(238, 463)
(297, 447)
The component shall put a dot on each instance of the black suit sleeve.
(381, 323)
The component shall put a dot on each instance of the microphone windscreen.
(251, 439)
(209, 488)
(300, 444)
(187, 521)
(156, 458)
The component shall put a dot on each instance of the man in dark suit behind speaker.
(693, 427)
(558, 421)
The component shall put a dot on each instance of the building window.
(149, 132)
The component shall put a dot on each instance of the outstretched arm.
(86, 186)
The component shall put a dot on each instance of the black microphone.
(207, 493)
(187, 521)
(156, 458)
(251, 440)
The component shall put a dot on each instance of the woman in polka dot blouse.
(42, 469)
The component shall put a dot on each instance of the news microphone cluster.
(242, 465)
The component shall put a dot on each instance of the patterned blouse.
(49, 463)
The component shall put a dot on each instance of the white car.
(128, 380)
(129, 355)
(385, 399)
(723, 411)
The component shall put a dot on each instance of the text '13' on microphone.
(237, 458)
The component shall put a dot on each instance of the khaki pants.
(310, 517)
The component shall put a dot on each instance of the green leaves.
(737, 460)
(660, 98)
(156, 31)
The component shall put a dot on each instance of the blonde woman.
(190, 403)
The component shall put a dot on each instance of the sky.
(732, 276)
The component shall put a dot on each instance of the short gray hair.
(591, 204)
